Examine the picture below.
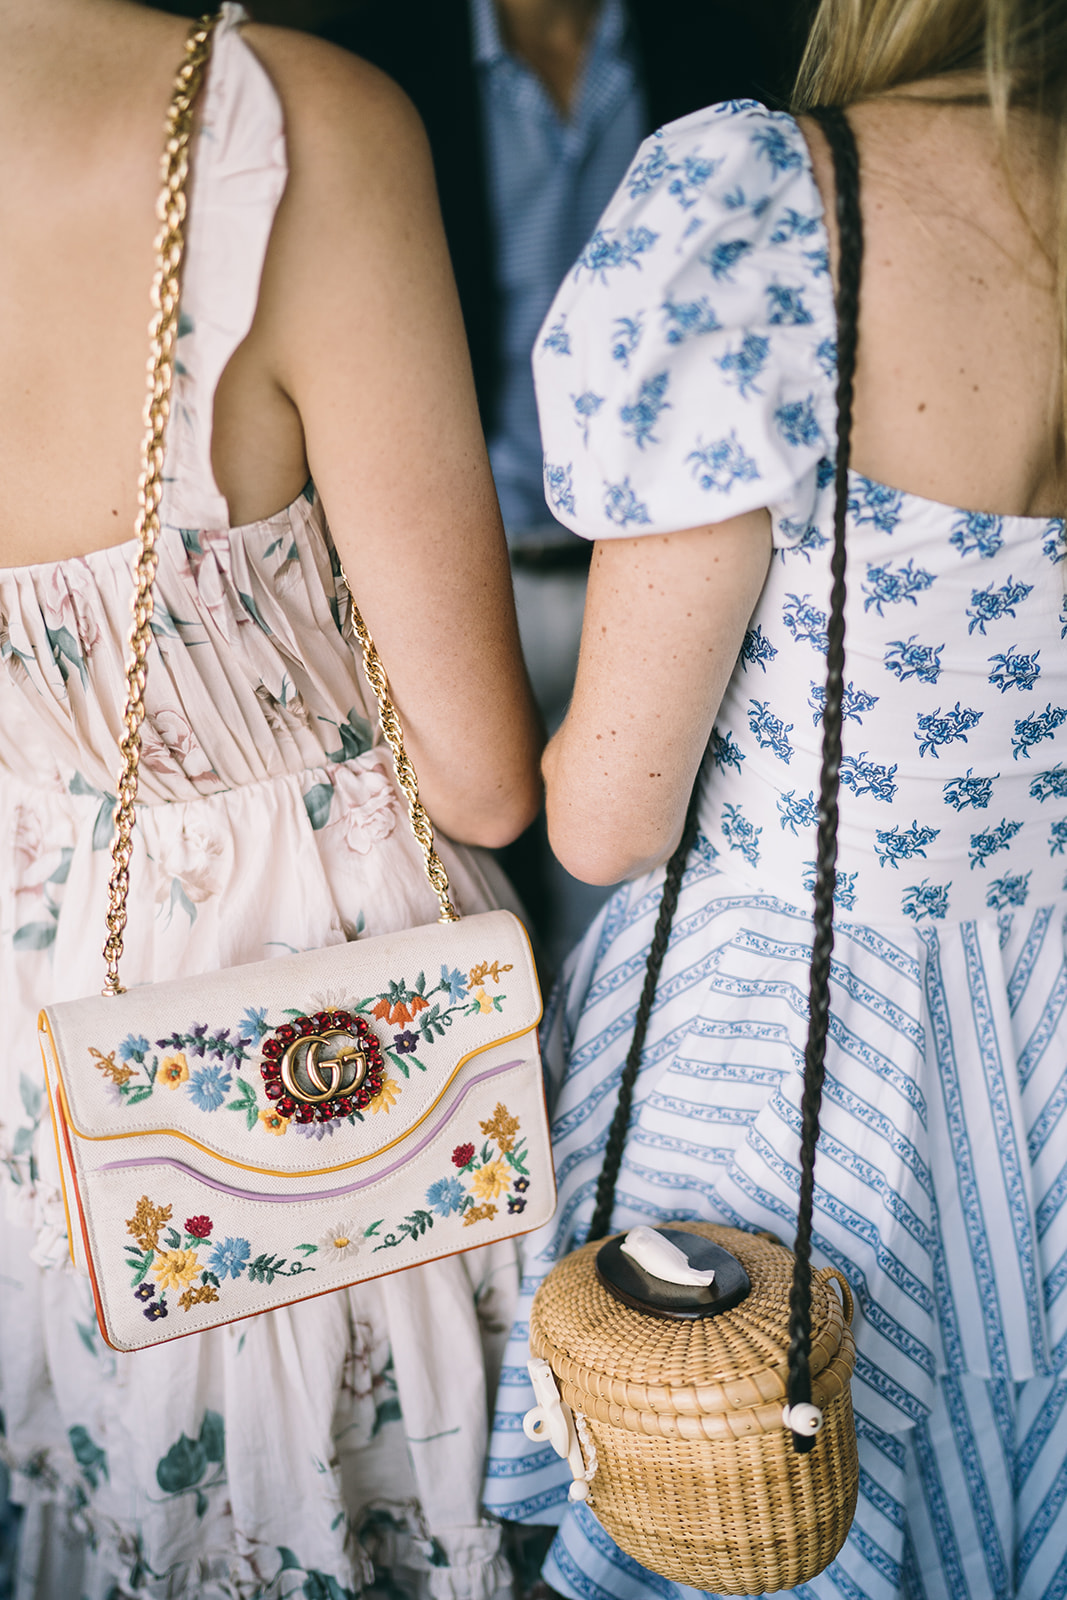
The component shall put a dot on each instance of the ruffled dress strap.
(239, 171)
(685, 373)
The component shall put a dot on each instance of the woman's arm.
(360, 329)
(665, 617)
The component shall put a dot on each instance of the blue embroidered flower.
(1011, 890)
(740, 834)
(559, 487)
(557, 338)
(724, 752)
(445, 1196)
(910, 660)
(586, 405)
(1055, 545)
(984, 845)
(723, 258)
(937, 728)
(968, 791)
(134, 1047)
(979, 531)
(744, 365)
(208, 1087)
(793, 224)
(724, 463)
(229, 1257)
(854, 702)
(756, 649)
(869, 777)
(889, 586)
(456, 984)
(989, 604)
(622, 506)
(1037, 726)
(695, 172)
(926, 899)
(642, 414)
(805, 622)
(772, 144)
(844, 886)
(771, 732)
(603, 254)
(787, 308)
(687, 318)
(254, 1022)
(875, 503)
(627, 339)
(798, 811)
(796, 422)
(897, 844)
(1057, 838)
(1014, 671)
(1051, 785)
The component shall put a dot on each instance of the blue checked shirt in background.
(549, 180)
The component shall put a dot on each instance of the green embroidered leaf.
(104, 826)
(213, 1436)
(34, 936)
(143, 1091)
(173, 1238)
(146, 1261)
(368, 1233)
(209, 1277)
(398, 1061)
(317, 802)
(264, 1268)
(308, 1249)
(183, 1466)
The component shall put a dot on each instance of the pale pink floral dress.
(336, 1444)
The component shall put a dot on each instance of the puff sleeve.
(686, 371)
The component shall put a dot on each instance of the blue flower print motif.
(787, 308)
(805, 622)
(559, 487)
(445, 1196)
(229, 1258)
(910, 660)
(962, 792)
(695, 171)
(869, 777)
(938, 729)
(626, 339)
(649, 170)
(896, 844)
(772, 144)
(798, 811)
(723, 258)
(557, 338)
(756, 649)
(603, 254)
(820, 262)
(826, 356)
(689, 318)
(844, 886)
(793, 224)
(984, 845)
(586, 407)
(1050, 785)
(740, 834)
(886, 586)
(744, 365)
(456, 984)
(1010, 890)
(1014, 671)
(642, 414)
(1063, 618)
(875, 503)
(208, 1087)
(134, 1048)
(796, 422)
(978, 531)
(989, 604)
(1055, 544)
(1057, 838)
(1037, 726)
(724, 751)
(622, 506)
(803, 537)
(854, 702)
(926, 899)
(771, 732)
(721, 464)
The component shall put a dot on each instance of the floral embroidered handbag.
(186, 1202)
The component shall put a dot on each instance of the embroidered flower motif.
(406, 1044)
(174, 1269)
(134, 1047)
(199, 1294)
(341, 1242)
(274, 1122)
(478, 1214)
(147, 1220)
(485, 1004)
(199, 1227)
(230, 1257)
(521, 1185)
(386, 1097)
(501, 1127)
(445, 1196)
(456, 984)
(462, 1155)
(173, 1071)
(144, 1292)
(490, 1180)
(209, 1086)
(516, 1202)
(156, 1311)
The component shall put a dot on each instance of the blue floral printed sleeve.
(686, 370)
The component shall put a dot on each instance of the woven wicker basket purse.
(709, 1425)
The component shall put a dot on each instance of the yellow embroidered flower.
(501, 1127)
(173, 1070)
(176, 1268)
(490, 1180)
(478, 1214)
(146, 1222)
(273, 1121)
(386, 1097)
(484, 1002)
(201, 1293)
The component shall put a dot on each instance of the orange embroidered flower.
(273, 1121)
(173, 1071)
(382, 1009)
(418, 1004)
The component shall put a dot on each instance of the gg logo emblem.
(319, 1067)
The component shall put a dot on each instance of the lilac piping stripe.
(323, 1194)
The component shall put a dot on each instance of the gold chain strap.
(163, 328)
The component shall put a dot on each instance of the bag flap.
(303, 1064)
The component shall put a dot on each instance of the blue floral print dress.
(686, 374)
(338, 1443)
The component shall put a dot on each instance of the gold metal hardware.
(310, 1067)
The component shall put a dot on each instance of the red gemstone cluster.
(341, 1105)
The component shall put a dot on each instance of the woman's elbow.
(599, 851)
